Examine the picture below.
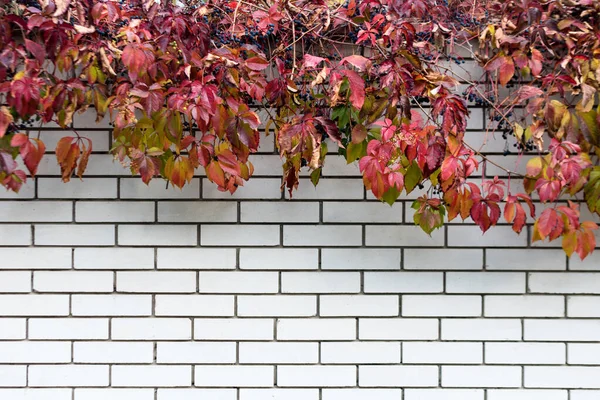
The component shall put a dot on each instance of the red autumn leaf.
(310, 61)
(5, 120)
(215, 174)
(36, 49)
(359, 62)
(357, 88)
(257, 63)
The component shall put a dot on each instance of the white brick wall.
(114, 290)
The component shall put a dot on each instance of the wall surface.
(111, 290)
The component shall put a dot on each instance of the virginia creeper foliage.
(183, 82)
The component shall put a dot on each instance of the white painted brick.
(151, 375)
(443, 394)
(336, 165)
(441, 306)
(316, 376)
(485, 282)
(481, 376)
(397, 376)
(276, 306)
(524, 353)
(360, 259)
(562, 330)
(27, 191)
(481, 329)
(15, 235)
(15, 281)
(583, 395)
(111, 305)
(268, 211)
(233, 329)
(12, 328)
(112, 352)
(13, 375)
(404, 282)
(174, 258)
(194, 305)
(68, 328)
(584, 353)
(279, 259)
(398, 329)
(524, 306)
(443, 259)
(196, 353)
(156, 282)
(362, 394)
(88, 119)
(36, 211)
(359, 305)
(35, 258)
(500, 236)
(113, 211)
(583, 306)
(33, 305)
(329, 189)
(196, 211)
(255, 188)
(316, 329)
(526, 394)
(322, 235)
(239, 235)
(572, 282)
(320, 282)
(104, 165)
(367, 212)
(114, 258)
(234, 376)
(526, 259)
(158, 235)
(563, 377)
(68, 375)
(411, 236)
(35, 352)
(114, 394)
(238, 282)
(442, 353)
(279, 394)
(360, 353)
(151, 329)
(36, 394)
(75, 235)
(89, 188)
(195, 394)
(73, 281)
(590, 263)
(279, 353)
(135, 188)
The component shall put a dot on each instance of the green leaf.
(355, 151)
(412, 177)
(391, 195)
(315, 176)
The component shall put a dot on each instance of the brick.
(15, 235)
(441, 306)
(362, 394)
(156, 282)
(75, 235)
(590, 263)
(481, 329)
(33, 305)
(135, 188)
(584, 353)
(360, 259)
(114, 258)
(13, 375)
(279, 394)
(112, 352)
(572, 282)
(239, 235)
(443, 259)
(255, 188)
(320, 282)
(443, 394)
(35, 258)
(36, 394)
(151, 329)
(195, 394)
(563, 377)
(35, 352)
(68, 328)
(524, 306)
(410, 236)
(158, 235)
(360, 353)
(316, 329)
(481, 376)
(485, 282)
(111, 305)
(279, 259)
(15, 281)
(100, 139)
(276, 306)
(90, 188)
(583, 394)
(114, 394)
(27, 191)
(336, 165)
(526, 259)
(583, 306)
(404, 282)
(194, 211)
(239, 282)
(358, 305)
(471, 236)
(233, 329)
(151, 375)
(330, 189)
(279, 353)
(194, 305)
(68, 375)
(72, 281)
(397, 376)
(322, 235)
(562, 330)
(524, 353)
(268, 211)
(526, 394)
(442, 353)
(113, 211)
(36, 211)
(196, 353)
(234, 375)
(12, 328)
(398, 329)
(365, 212)
(199, 258)
(316, 376)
